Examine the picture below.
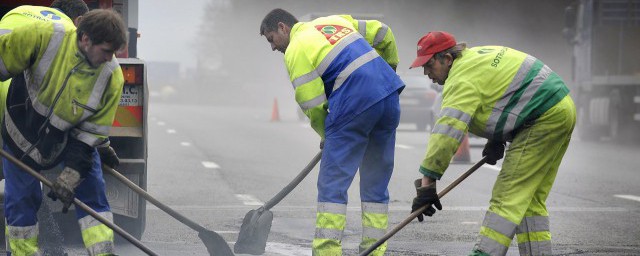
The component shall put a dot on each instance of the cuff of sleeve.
(430, 173)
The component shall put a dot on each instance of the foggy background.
(210, 51)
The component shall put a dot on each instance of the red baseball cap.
(430, 44)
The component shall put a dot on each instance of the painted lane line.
(210, 165)
(171, 131)
(160, 123)
(248, 199)
(185, 144)
(403, 146)
(306, 125)
(469, 223)
(288, 249)
(630, 197)
(493, 167)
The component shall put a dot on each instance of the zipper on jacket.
(50, 111)
(77, 104)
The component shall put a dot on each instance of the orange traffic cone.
(275, 114)
(463, 156)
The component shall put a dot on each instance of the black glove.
(108, 156)
(425, 196)
(494, 151)
(63, 188)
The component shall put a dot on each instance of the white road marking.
(493, 167)
(402, 146)
(287, 249)
(307, 125)
(185, 144)
(171, 131)
(160, 123)
(469, 223)
(248, 199)
(210, 165)
(630, 197)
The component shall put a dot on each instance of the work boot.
(478, 253)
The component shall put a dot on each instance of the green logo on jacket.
(485, 50)
(329, 29)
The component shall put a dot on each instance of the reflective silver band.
(457, 114)
(328, 233)
(5, 31)
(89, 221)
(535, 248)
(94, 128)
(380, 35)
(303, 79)
(332, 208)
(59, 123)
(100, 86)
(375, 233)
(101, 248)
(525, 98)
(375, 208)
(499, 224)
(47, 58)
(533, 224)
(515, 84)
(26, 232)
(88, 138)
(449, 131)
(22, 143)
(335, 51)
(362, 28)
(313, 102)
(490, 246)
(353, 66)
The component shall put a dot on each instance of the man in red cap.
(503, 95)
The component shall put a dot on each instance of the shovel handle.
(423, 208)
(80, 204)
(287, 189)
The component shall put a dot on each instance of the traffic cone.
(463, 156)
(275, 114)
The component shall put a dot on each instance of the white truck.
(606, 67)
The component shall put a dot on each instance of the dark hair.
(270, 22)
(455, 51)
(72, 8)
(102, 26)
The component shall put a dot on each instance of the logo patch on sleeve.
(334, 33)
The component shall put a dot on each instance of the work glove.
(322, 144)
(108, 156)
(63, 187)
(425, 196)
(494, 151)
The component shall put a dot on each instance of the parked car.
(419, 102)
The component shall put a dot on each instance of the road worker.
(350, 94)
(57, 114)
(503, 95)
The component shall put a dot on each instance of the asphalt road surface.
(214, 164)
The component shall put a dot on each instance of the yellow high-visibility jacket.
(491, 91)
(67, 98)
(334, 69)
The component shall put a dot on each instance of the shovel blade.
(254, 232)
(216, 245)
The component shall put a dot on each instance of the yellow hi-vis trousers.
(530, 166)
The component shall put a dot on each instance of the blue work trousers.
(23, 193)
(368, 142)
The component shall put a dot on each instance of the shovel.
(423, 208)
(216, 245)
(80, 204)
(256, 224)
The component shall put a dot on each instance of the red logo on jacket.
(334, 33)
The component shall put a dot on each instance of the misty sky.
(167, 29)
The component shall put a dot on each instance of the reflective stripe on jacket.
(68, 95)
(491, 91)
(379, 36)
(327, 59)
